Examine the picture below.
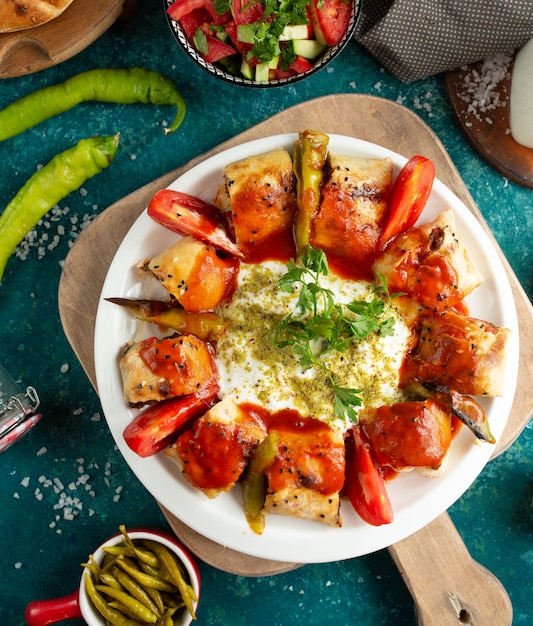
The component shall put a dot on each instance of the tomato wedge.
(183, 7)
(364, 485)
(408, 197)
(188, 215)
(158, 426)
(330, 20)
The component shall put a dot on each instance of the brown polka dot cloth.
(415, 39)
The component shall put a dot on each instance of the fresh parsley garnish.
(264, 34)
(319, 324)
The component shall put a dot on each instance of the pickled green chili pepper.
(172, 567)
(107, 612)
(137, 608)
(65, 173)
(121, 86)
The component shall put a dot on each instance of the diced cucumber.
(222, 35)
(245, 33)
(262, 70)
(294, 31)
(247, 70)
(308, 48)
(261, 73)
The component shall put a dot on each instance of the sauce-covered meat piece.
(214, 452)
(409, 434)
(157, 369)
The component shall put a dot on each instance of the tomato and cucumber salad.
(262, 40)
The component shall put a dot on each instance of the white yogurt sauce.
(253, 370)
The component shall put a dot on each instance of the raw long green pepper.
(65, 173)
(121, 86)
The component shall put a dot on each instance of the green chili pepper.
(143, 579)
(134, 589)
(169, 562)
(310, 150)
(106, 611)
(65, 173)
(254, 485)
(122, 86)
(137, 608)
(169, 314)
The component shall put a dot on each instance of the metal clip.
(17, 416)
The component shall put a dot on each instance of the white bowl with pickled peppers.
(172, 599)
(261, 43)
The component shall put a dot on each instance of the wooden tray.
(35, 49)
(447, 585)
(488, 131)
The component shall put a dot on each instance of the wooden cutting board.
(448, 587)
(35, 49)
(479, 95)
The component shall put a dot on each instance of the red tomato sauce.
(277, 247)
(309, 456)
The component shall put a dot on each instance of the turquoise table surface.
(65, 487)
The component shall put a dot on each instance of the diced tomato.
(408, 197)
(364, 484)
(217, 50)
(198, 18)
(241, 47)
(158, 426)
(188, 215)
(330, 20)
(247, 11)
(301, 65)
(180, 8)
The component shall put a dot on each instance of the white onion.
(521, 97)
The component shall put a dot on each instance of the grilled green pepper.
(310, 151)
(206, 325)
(254, 485)
(121, 86)
(65, 173)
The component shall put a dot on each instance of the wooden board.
(486, 124)
(35, 49)
(444, 580)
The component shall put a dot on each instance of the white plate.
(416, 500)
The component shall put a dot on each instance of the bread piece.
(18, 15)
(461, 353)
(306, 477)
(353, 209)
(194, 274)
(262, 196)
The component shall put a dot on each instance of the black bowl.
(217, 70)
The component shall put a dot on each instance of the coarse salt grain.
(480, 90)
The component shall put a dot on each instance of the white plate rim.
(286, 539)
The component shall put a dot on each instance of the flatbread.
(18, 15)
